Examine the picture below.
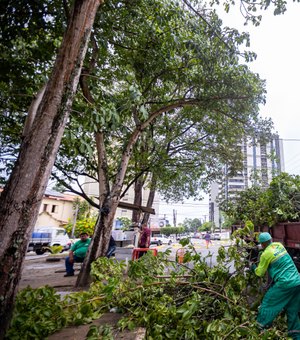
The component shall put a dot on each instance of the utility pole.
(75, 219)
(174, 217)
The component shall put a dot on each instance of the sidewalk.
(38, 271)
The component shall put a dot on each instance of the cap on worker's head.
(83, 233)
(264, 237)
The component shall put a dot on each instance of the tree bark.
(138, 196)
(21, 198)
(150, 199)
(109, 199)
(108, 203)
(100, 240)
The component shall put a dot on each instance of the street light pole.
(74, 221)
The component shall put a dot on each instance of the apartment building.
(261, 162)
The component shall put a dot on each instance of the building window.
(45, 206)
(54, 209)
(235, 186)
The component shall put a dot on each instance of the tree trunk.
(21, 198)
(150, 199)
(138, 195)
(109, 200)
(100, 240)
(108, 203)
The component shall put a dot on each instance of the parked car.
(215, 236)
(160, 239)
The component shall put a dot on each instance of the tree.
(207, 226)
(249, 205)
(192, 224)
(83, 224)
(227, 221)
(82, 208)
(29, 43)
(125, 222)
(280, 202)
(22, 195)
(171, 230)
(252, 10)
(176, 67)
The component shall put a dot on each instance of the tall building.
(261, 162)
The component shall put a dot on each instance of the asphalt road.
(200, 247)
(126, 252)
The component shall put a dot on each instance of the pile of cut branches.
(192, 300)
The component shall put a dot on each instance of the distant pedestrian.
(207, 238)
(111, 247)
(144, 241)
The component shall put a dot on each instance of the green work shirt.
(80, 248)
(280, 266)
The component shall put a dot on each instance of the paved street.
(126, 252)
(200, 247)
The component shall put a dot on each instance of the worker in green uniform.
(77, 253)
(284, 293)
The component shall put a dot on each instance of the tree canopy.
(175, 76)
(30, 33)
(145, 60)
(253, 10)
(192, 224)
(280, 202)
(163, 92)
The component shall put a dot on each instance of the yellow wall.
(55, 212)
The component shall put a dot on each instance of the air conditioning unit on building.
(163, 222)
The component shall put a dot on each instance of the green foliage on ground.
(37, 313)
(172, 301)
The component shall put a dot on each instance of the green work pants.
(276, 300)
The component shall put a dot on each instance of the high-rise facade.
(261, 162)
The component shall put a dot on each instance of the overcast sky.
(276, 43)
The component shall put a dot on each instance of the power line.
(290, 139)
(188, 205)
